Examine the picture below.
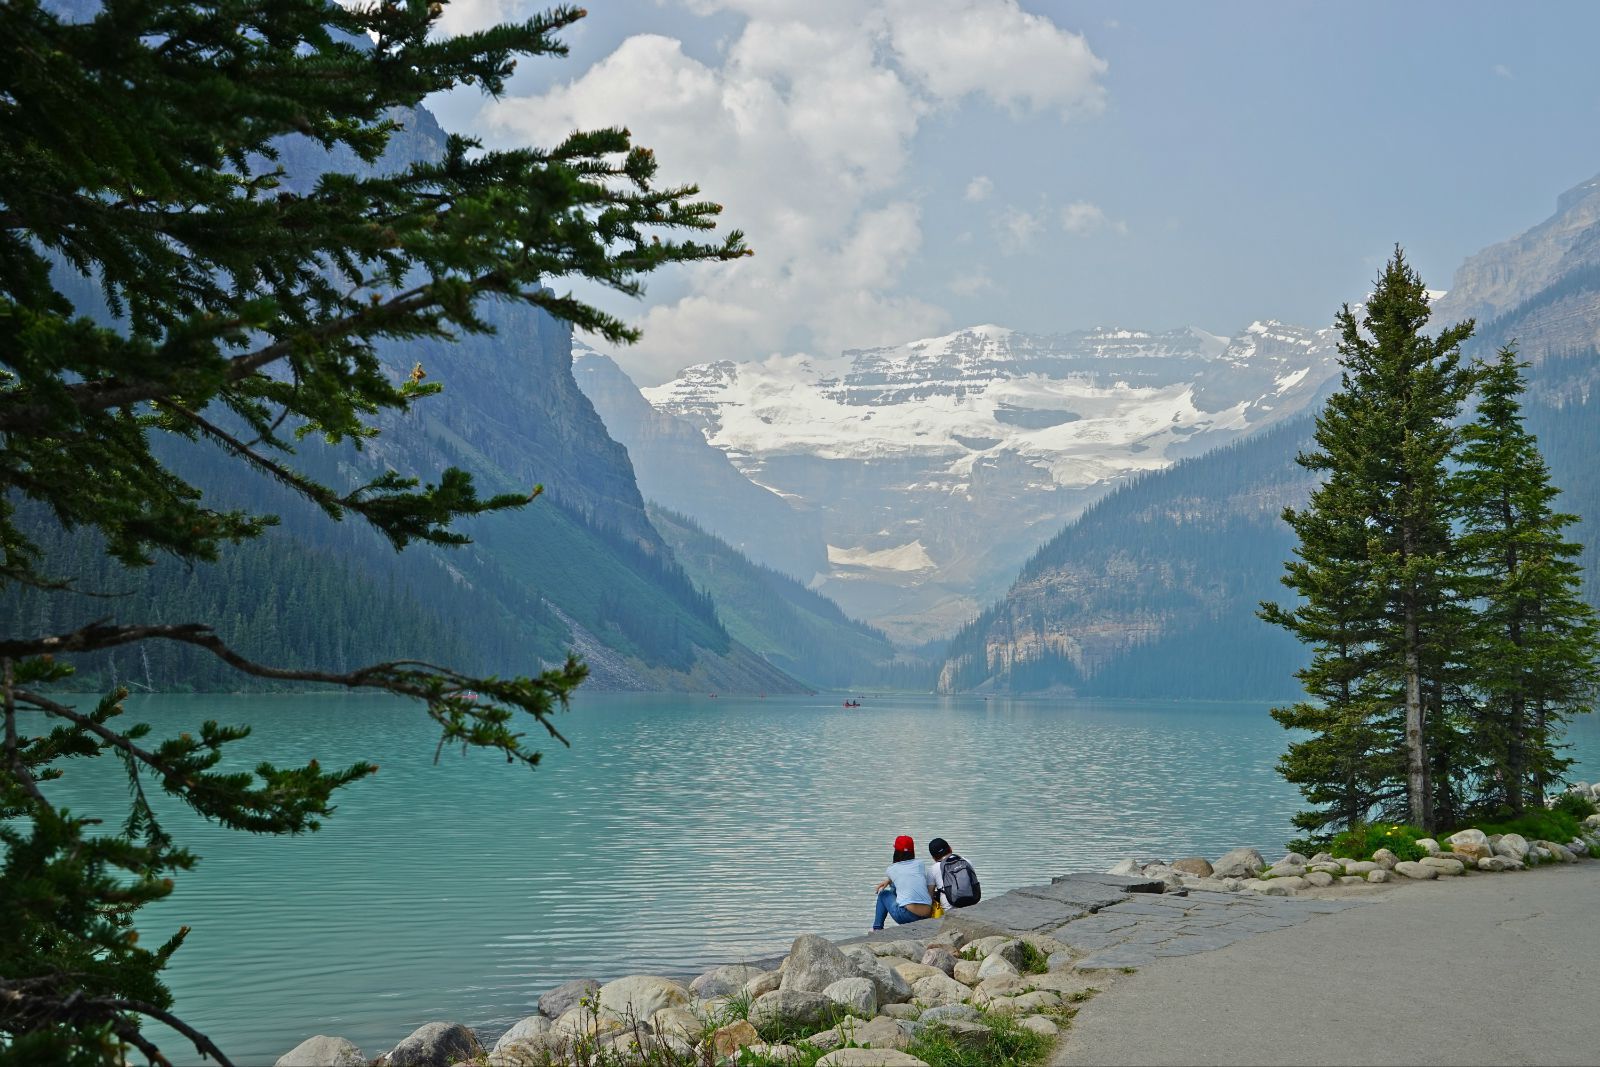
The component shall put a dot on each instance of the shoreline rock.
(878, 992)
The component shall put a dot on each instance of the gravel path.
(1486, 969)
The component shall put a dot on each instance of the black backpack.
(960, 888)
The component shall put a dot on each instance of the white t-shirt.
(910, 881)
(936, 877)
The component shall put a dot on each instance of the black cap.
(938, 848)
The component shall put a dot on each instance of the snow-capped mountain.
(938, 466)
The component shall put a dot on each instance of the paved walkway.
(1487, 969)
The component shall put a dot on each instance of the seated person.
(911, 898)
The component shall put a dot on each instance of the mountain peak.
(1577, 195)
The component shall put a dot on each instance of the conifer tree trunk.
(1417, 798)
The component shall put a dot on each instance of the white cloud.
(1081, 217)
(1015, 229)
(1500, 70)
(802, 128)
(469, 16)
(979, 189)
(994, 48)
(973, 284)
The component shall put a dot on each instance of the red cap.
(904, 844)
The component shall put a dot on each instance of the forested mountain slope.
(580, 567)
(798, 630)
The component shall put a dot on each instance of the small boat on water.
(852, 703)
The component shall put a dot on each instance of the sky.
(910, 167)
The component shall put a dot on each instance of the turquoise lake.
(675, 832)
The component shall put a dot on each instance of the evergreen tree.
(1377, 573)
(137, 155)
(1535, 639)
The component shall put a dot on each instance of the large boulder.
(1468, 837)
(1126, 868)
(1493, 863)
(905, 948)
(890, 987)
(723, 981)
(1286, 870)
(523, 1030)
(1429, 845)
(639, 996)
(1319, 879)
(1470, 851)
(1385, 857)
(870, 1057)
(728, 1040)
(685, 1022)
(814, 964)
(880, 1032)
(985, 945)
(540, 1050)
(914, 972)
(1379, 875)
(939, 988)
(1444, 864)
(946, 1012)
(1362, 867)
(791, 1008)
(561, 999)
(995, 965)
(434, 1045)
(940, 958)
(1013, 951)
(1240, 863)
(1038, 1000)
(322, 1051)
(765, 982)
(581, 1020)
(973, 1037)
(1420, 871)
(1000, 985)
(856, 995)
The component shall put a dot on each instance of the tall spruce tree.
(137, 149)
(1534, 639)
(1377, 573)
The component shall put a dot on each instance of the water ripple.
(676, 832)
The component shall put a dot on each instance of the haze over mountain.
(936, 467)
(1153, 591)
(677, 469)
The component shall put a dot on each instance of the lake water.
(675, 832)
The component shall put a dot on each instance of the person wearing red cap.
(905, 894)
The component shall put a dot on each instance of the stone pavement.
(1129, 922)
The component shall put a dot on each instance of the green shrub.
(1007, 1043)
(1577, 805)
(1554, 825)
(1363, 839)
(1033, 960)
